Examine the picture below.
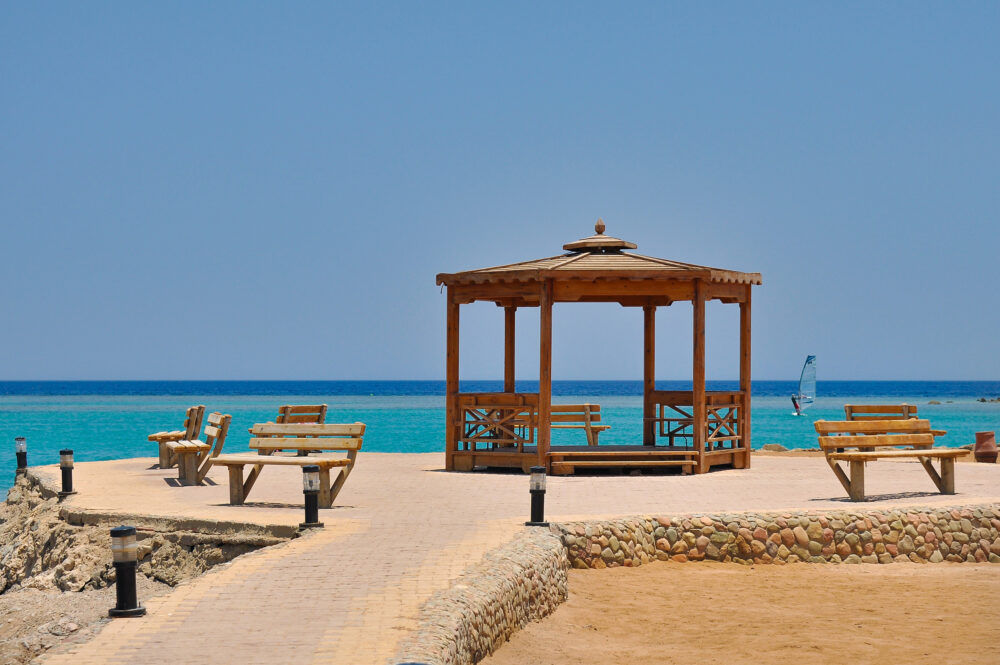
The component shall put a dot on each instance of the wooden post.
(744, 424)
(857, 490)
(508, 349)
(451, 389)
(698, 376)
(648, 378)
(545, 374)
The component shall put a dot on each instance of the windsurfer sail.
(807, 387)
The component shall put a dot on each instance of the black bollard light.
(21, 450)
(125, 556)
(66, 466)
(537, 489)
(310, 487)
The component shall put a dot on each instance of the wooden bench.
(269, 439)
(858, 442)
(193, 455)
(192, 426)
(884, 412)
(579, 416)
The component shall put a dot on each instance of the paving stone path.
(402, 531)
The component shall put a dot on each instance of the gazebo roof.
(598, 256)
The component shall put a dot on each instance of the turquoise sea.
(110, 419)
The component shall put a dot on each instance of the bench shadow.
(274, 504)
(175, 482)
(881, 497)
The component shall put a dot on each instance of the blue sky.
(256, 191)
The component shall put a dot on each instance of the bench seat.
(279, 460)
(871, 455)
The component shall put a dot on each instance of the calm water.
(110, 419)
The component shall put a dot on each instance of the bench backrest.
(307, 436)
(301, 413)
(880, 411)
(216, 431)
(192, 421)
(834, 434)
(583, 414)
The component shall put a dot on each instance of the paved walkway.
(401, 531)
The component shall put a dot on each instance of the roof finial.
(599, 226)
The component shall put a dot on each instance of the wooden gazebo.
(694, 429)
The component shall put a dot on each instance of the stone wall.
(921, 535)
(522, 581)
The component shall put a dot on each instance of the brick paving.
(401, 531)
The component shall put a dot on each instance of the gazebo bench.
(579, 416)
(272, 438)
(858, 442)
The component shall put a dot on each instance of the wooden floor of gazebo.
(570, 459)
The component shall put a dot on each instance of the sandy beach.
(691, 613)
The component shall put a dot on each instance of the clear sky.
(258, 191)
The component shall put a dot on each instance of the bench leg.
(164, 455)
(948, 475)
(187, 468)
(841, 476)
(236, 494)
(325, 499)
(857, 488)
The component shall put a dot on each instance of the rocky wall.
(44, 546)
(920, 535)
(522, 581)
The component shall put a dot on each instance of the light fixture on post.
(310, 488)
(536, 487)
(21, 451)
(66, 467)
(125, 557)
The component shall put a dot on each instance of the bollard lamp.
(66, 468)
(125, 555)
(21, 451)
(310, 488)
(536, 488)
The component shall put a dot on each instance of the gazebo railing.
(497, 421)
(724, 411)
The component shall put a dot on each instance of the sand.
(694, 613)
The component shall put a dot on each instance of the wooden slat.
(872, 426)
(211, 430)
(309, 429)
(600, 428)
(876, 440)
(301, 418)
(242, 460)
(623, 463)
(215, 418)
(896, 409)
(890, 454)
(576, 408)
(324, 443)
(304, 408)
(572, 417)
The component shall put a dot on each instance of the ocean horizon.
(103, 420)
